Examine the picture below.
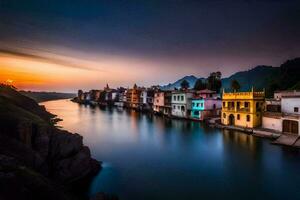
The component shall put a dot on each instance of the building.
(133, 97)
(278, 94)
(120, 97)
(206, 94)
(243, 109)
(205, 108)
(181, 103)
(94, 95)
(146, 99)
(80, 96)
(282, 113)
(162, 103)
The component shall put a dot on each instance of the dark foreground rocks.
(38, 160)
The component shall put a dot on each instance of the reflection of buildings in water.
(242, 139)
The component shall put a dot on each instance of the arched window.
(182, 108)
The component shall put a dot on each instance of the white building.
(181, 103)
(282, 113)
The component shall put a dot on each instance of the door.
(231, 120)
(290, 126)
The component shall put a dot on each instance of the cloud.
(51, 58)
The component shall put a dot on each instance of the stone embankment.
(278, 138)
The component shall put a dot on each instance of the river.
(150, 157)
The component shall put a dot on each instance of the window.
(174, 98)
(182, 108)
(246, 104)
(193, 104)
(248, 118)
(174, 107)
(238, 117)
(196, 112)
(201, 104)
(223, 104)
(197, 104)
(224, 115)
(296, 109)
(182, 98)
(177, 98)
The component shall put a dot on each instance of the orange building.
(133, 97)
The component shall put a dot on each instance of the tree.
(200, 85)
(185, 84)
(235, 85)
(214, 81)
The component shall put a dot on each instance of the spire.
(252, 89)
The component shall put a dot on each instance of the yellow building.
(243, 109)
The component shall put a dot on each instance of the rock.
(75, 167)
(38, 160)
(103, 196)
(65, 144)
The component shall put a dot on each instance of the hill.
(284, 77)
(259, 77)
(38, 160)
(190, 79)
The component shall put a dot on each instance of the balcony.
(243, 110)
(228, 108)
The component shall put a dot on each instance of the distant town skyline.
(66, 45)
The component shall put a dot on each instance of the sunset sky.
(63, 45)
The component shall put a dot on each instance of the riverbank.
(278, 138)
(37, 159)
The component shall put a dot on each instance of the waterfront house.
(146, 99)
(80, 96)
(206, 94)
(94, 95)
(242, 109)
(204, 108)
(282, 113)
(133, 97)
(162, 103)
(181, 103)
(120, 95)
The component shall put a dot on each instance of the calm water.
(148, 157)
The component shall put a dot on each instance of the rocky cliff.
(38, 160)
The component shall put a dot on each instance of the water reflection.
(151, 157)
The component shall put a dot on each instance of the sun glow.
(25, 73)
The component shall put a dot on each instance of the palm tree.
(185, 84)
(235, 85)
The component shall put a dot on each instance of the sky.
(64, 45)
